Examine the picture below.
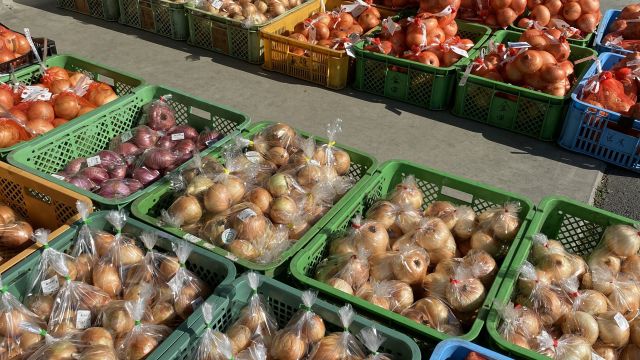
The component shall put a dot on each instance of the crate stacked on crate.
(101, 9)
(594, 129)
(515, 108)
(20, 53)
(283, 302)
(435, 186)
(48, 155)
(150, 206)
(40, 203)
(576, 227)
(163, 17)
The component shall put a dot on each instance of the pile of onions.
(624, 32)
(249, 12)
(426, 39)
(12, 45)
(264, 198)
(331, 28)
(14, 232)
(577, 17)
(496, 13)
(596, 301)
(534, 69)
(68, 100)
(432, 263)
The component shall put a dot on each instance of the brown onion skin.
(145, 176)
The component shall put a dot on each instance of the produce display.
(60, 96)
(109, 299)
(624, 32)
(540, 61)
(13, 45)
(251, 13)
(567, 308)
(576, 18)
(497, 13)
(255, 334)
(14, 232)
(432, 266)
(140, 156)
(261, 201)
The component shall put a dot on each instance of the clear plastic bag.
(329, 155)
(15, 339)
(518, 324)
(84, 247)
(407, 193)
(346, 272)
(433, 235)
(143, 338)
(566, 347)
(409, 265)
(432, 311)
(303, 330)
(160, 114)
(189, 291)
(66, 347)
(45, 280)
(364, 235)
(391, 295)
(502, 222)
(372, 340)
(537, 293)
(14, 232)
(339, 345)
(398, 220)
(465, 293)
(213, 345)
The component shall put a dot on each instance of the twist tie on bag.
(4, 289)
(42, 332)
(137, 323)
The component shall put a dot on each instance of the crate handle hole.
(457, 194)
(200, 113)
(107, 80)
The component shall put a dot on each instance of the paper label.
(518, 45)
(177, 136)
(32, 93)
(355, 9)
(50, 285)
(390, 25)
(94, 160)
(622, 322)
(459, 51)
(197, 302)
(126, 136)
(83, 319)
(217, 4)
(191, 238)
(254, 157)
(56, 176)
(245, 214)
(228, 236)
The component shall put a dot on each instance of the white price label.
(622, 322)
(32, 93)
(50, 285)
(519, 45)
(56, 176)
(460, 51)
(83, 319)
(191, 238)
(254, 157)
(177, 136)
(390, 25)
(94, 160)
(245, 214)
(197, 302)
(359, 10)
(126, 136)
(217, 4)
(228, 236)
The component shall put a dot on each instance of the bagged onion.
(65, 347)
(341, 345)
(407, 193)
(143, 338)
(14, 232)
(367, 235)
(519, 324)
(566, 347)
(408, 265)
(434, 312)
(84, 249)
(189, 291)
(329, 155)
(352, 268)
(372, 340)
(212, 345)
(398, 220)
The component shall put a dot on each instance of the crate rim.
(402, 321)
(121, 202)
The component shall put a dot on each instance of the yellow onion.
(217, 198)
(611, 334)
(622, 240)
(582, 324)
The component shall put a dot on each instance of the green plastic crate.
(49, 154)
(163, 17)
(529, 112)
(123, 84)
(577, 226)
(435, 185)
(147, 208)
(101, 9)
(285, 301)
(409, 81)
(212, 269)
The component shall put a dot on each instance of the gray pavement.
(385, 128)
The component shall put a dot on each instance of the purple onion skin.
(161, 117)
(118, 172)
(188, 131)
(208, 138)
(110, 158)
(144, 137)
(74, 166)
(159, 159)
(134, 185)
(96, 174)
(146, 176)
(114, 188)
(165, 142)
(82, 182)
(127, 149)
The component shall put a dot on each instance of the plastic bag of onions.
(363, 235)
(409, 265)
(254, 320)
(397, 219)
(518, 324)
(46, 279)
(432, 311)
(189, 291)
(66, 347)
(566, 347)
(302, 331)
(372, 340)
(160, 114)
(407, 193)
(256, 351)
(143, 338)
(433, 235)
(391, 295)
(346, 272)
(84, 248)
(622, 291)
(212, 345)
(278, 135)
(16, 340)
(339, 345)
(329, 155)
(537, 292)
(14, 232)
(465, 293)
(110, 270)
(271, 247)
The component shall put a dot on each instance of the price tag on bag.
(177, 136)
(83, 319)
(622, 322)
(217, 4)
(50, 285)
(518, 45)
(245, 214)
(228, 236)
(126, 136)
(94, 160)
(33, 93)
(459, 51)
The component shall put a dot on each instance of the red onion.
(188, 131)
(145, 176)
(161, 117)
(109, 159)
(95, 174)
(159, 159)
(145, 137)
(127, 149)
(184, 147)
(74, 166)
(118, 172)
(165, 142)
(208, 138)
(82, 182)
(134, 185)
(114, 188)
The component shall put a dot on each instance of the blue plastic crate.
(603, 29)
(593, 131)
(456, 349)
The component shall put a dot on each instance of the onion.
(118, 172)
(261, 198)
(66, 105)
(443, 210)
(185, 148)
(188, 131)
(558, 266)
(283, 210)
(208, 138)
(6, 99)
(630, 352)
(59, 122)
(622, 240)
(127, 149)
(145, 176)
(582, 324)
(114, 188)
(240, 336)
(95, 174)
(591, 302)
(40, 126)
(409, 194)
(144, 137)
(235, 187)
(279, 184)
(217, 198)
(606, 352)
(161, 117)
(82, 182)
(74, 166)
(278, 155)
(41, 110)
(465, 295)
(373, 237)
(187, 209)
(16, 234)
(97, 336)
(159, 159)
(165, 142)
(134, 185)
(610, 333)
(106, 277)
(7, 215)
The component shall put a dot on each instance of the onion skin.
(145, 176)
(114, 188)
(145, 137)
(82, 182)
(127, 149)
(74, 166)
(208, 138)
(134, 185)
(159, 159)
(95, 174)
(161, 117)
